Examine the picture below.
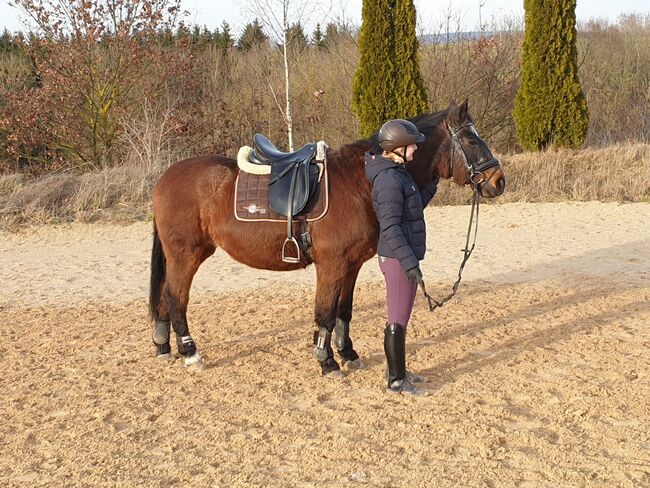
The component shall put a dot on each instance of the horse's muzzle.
(494, 185)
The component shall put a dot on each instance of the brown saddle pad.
(252, 199)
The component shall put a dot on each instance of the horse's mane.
(424, 122)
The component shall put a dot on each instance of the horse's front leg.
(342, 341)
(329, 282)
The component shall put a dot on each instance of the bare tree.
(280, 17)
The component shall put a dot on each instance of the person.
(399, 205)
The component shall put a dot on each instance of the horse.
(193, 216)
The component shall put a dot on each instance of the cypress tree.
(387, 83)
(411, 94)
(550, 107)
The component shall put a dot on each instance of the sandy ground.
(538, 372)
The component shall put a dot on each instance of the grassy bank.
(123, 194)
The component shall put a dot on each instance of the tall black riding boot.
(395, 349)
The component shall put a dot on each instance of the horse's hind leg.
(181, 268)
(342, 340)
(161, 329)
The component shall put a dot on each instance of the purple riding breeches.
(400, 291)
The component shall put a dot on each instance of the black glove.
(414, 274)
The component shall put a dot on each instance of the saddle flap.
(305, 186)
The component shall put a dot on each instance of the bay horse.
(193, 216)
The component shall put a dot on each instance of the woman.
(399, 205)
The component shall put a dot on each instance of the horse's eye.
(472, 142)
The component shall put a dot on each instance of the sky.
(431, 13)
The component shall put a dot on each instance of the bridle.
(474, 168)
(476, 178)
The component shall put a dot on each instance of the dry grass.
(123, 194)
(114, 194)
(615, 173)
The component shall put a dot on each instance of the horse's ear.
(462, 111)
(452, 113)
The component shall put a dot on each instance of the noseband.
(475, 169)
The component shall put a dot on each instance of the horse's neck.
(433, 160)
(347, 166)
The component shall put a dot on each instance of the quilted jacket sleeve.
(428, 191)
(388, 198)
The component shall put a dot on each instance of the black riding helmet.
(398, 133)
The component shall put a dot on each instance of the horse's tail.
(157, 273)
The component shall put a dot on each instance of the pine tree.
(332, 35)
(296, 38)
(317, 39)
(550, 107)
(387, 83)
(223, 38)
(253, 35)
(7, 43)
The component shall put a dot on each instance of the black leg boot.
(395, 349)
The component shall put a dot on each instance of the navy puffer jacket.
(399, 205)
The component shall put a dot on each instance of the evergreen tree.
(166, 37)
(195, 36)
(331, 35)
(296, 38)
(550, 107)
(253, 35)
(317, 39)
(7, 43)
(223, 38)
(387, 83)
(183, 32)
(411, 93)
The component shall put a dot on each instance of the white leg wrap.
(194, 360)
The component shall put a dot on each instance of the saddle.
(293, 180)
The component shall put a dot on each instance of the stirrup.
(290, 259)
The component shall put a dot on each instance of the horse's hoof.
(166, 357)
(195, 361)
(337, 374)
(354, 365)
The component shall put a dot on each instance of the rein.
(475, 170)
(467, 252)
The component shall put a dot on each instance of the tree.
(387, 83)
(296, 37)
(93, 61)
(317, 39)
(331, 34)
(410, 94)
(550, 107)
(284, 18)
(335, 31)
(253, 35)
(223, 38)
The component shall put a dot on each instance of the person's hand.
(414, 274)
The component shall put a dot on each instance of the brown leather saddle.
(292, 184)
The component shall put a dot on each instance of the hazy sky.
(431, 13)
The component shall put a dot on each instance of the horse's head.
(454, 149)
(470, 160)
